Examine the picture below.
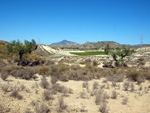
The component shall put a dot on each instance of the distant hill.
(65, 43)
(94, 45)
(100, 44)
(3, 42)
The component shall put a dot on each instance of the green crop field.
(89, 53)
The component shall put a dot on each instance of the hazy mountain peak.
(65, 43)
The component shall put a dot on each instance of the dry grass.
(125, 100)
(126, 86)
(103, 108)
(61, 105)
(47, 95)
(114, 94)
(4, 75)
(15, 94)
(44, 83)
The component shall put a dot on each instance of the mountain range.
(94, 45)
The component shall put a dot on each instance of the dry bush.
(41, 108)
(133, 75)
(125, 100)
(53, 79)
(140, 88)
(44, 83)
(4, 75)
(88, 66)
(101, 96)
(126, 86)
(6, 87)
(95, 85)
(64, 77)
(103, 108)
(48, 62)
(107, 87)
(22, 87)
(106, 96)
(28, 111)
(55, 71)
(132, 87)
(114, 94)
(87, 61)
(61, 105)
(83, 95)
(47, 95)
(2, 63)
(15, 94)
(75, 67)
(98, 99)
(44, 70)
(19, 73)
(85, 85)
(57, 88)
(94, 63)
(83, 108)
(116, 78)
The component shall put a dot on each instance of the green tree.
(18, 48)
(119, 54)
(107, 49)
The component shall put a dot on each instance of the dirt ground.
(79, 99)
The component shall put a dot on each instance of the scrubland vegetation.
(89, 53)
(68, 85)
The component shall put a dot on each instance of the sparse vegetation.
(61, 105)
(114, 94)
(15, 94)
(125, 100)
(44, 83)
(89, 53)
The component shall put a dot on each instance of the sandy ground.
(138, 100)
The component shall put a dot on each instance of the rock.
(37, 77)
(147, 64)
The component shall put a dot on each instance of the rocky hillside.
(46, 51)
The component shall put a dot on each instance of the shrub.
(95, 85)
(103, 108)
(53, 79)
(44, 70)
(41, 108)
(75, 67)
(15, 94)
(114, 95)
(98, 98)
(61, 104)
(44, 83)
(133, 75)
(6, 88)
(47, 95)
(22, 87)
(28, 111)
(85, 85)
(4, 75)
(125, 100)
(94, 63)
(116, 78)
(83, 95)
(64, 77)
(57, 88)
(132, 87)
(126, 86)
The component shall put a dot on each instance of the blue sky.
(50, 21)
